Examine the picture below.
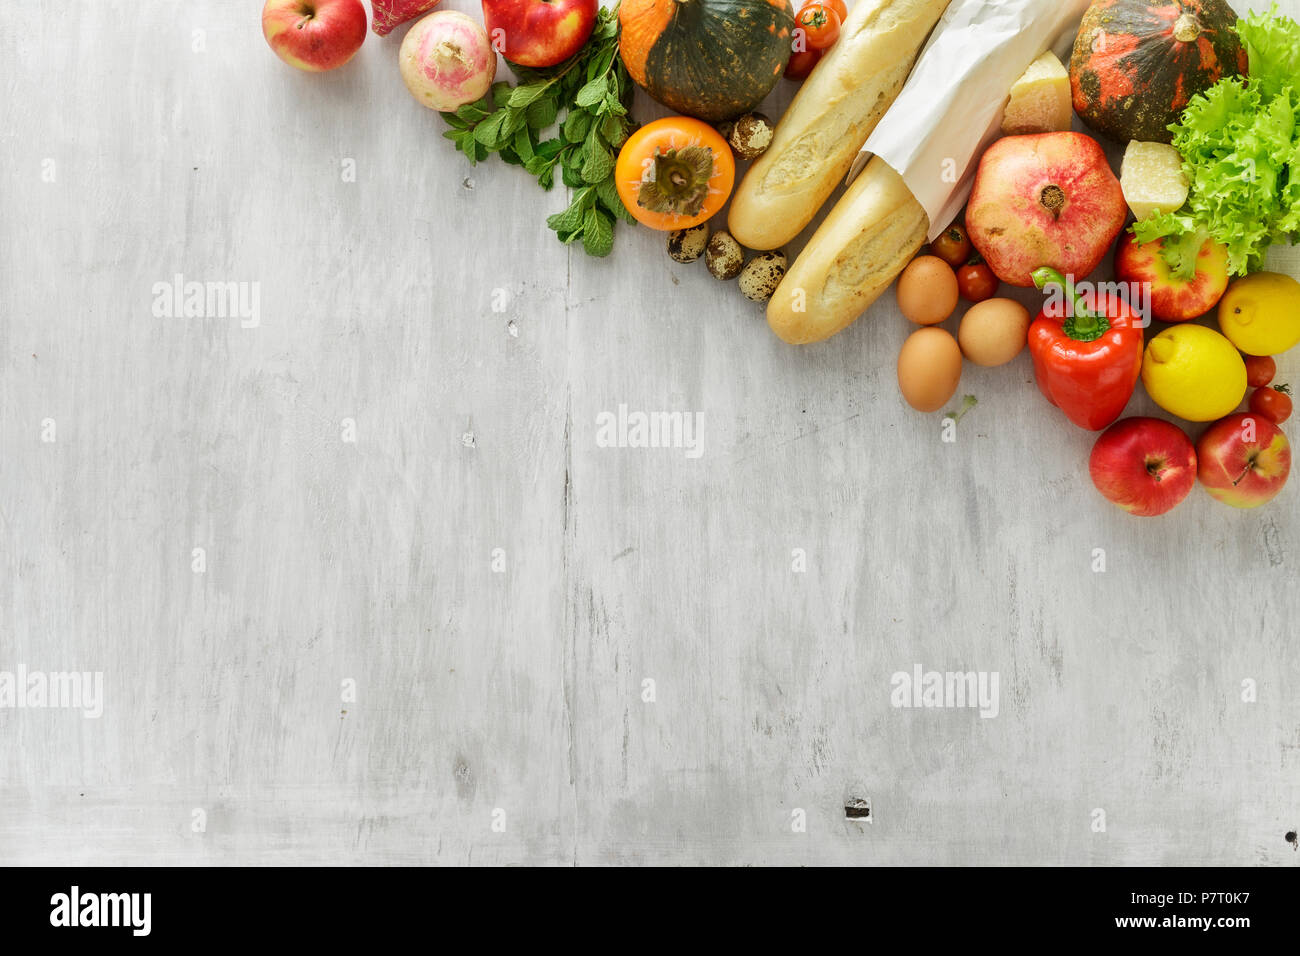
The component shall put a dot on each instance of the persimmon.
(674, 173)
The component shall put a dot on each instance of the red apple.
(314, 35)
(1147, 466)
(539, 33)
(1173, 299)
(1244, 460)
(1046, 199)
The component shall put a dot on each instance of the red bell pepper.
(1086, 361)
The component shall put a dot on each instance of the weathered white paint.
(327, 561)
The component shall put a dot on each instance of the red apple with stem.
(314, 35)
(1045, 199)
(1147, 466)
(1174, 299)
(539, 33)
(1244, 460)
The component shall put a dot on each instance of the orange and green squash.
(711, 59)
(1138, 63)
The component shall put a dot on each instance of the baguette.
(867, 240)
(830, 118)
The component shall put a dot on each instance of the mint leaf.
(597, 233)
(490, 132)
(550, 148)
(515, 121)
(527, 94)
(598, 165)
(523, 145)
(614, 130)
(576, 125)
(612, 105)
(592, 92)
(542, 113)
(607, 192)
(571, 177)
(570, 222)
(471, 112)
(600, 65)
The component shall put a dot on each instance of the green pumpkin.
(711, 59)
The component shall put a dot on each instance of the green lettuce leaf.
(1273, 45)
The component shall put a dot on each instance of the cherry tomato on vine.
(674, 173)
(820, 25)
(801, 64)
(953, 247)
(1260, 370)
(1272, 403)
(976, 282)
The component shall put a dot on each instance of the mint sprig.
(583, 103)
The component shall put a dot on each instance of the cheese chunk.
(1040, 100)
(1152, 178)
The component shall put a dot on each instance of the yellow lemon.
(1260, 314)
(1194, 372)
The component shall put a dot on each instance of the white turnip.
(447, 61)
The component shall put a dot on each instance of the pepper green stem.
(1082, 324)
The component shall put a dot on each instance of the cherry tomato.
(1272, 403)
(801, 64)
(953, 247)
(820, 25)
(1260, 370)
(839, 6)
(657, 165)
(976, 282)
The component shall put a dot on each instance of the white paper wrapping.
(951, 107)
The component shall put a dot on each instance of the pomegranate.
(1044, 199)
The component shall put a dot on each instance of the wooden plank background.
(426, 302)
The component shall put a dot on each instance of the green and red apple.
(314, 35)
(1174, 299)
(1244, 460)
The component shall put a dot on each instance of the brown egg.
(929, 368)
(927, 290)
(994, 331)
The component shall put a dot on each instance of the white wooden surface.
(330, 561)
